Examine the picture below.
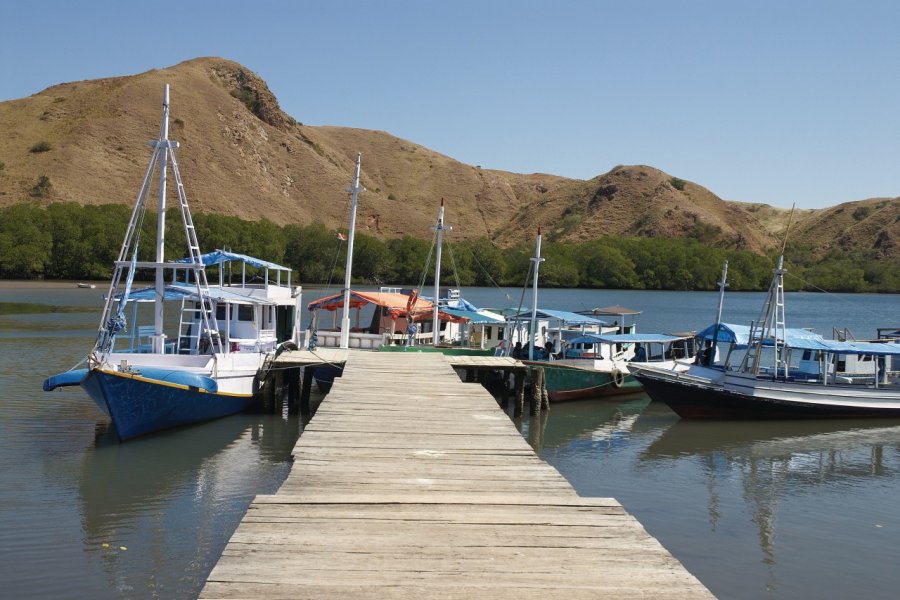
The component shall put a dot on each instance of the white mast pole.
(436, 325)
(723, 283)
(162, 146)
(537, 260)
(354, 190)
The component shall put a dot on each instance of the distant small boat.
(87, 286)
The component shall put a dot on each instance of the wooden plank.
(409, 483)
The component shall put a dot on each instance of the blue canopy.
(800, 339)
(837, 347)
(728, 333)
(564, 316)
(739, 335)
(218, 257)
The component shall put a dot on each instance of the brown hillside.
(865, 225)
(241, 155)
(641, 201)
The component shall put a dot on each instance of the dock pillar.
(537, 385)
(293, 375)
(519, 378)
(307, 388)
(278, 406)
(504, 388)
(268, 391)
(545, 395)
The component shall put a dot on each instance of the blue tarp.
(739, 335)
(728, 333)
(217, 257)
(800, 339)
(836, 347)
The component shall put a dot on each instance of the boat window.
(487, 332)
(220, 312)
(245, 312)
(807, 355)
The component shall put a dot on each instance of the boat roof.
(564, 316)
(218, 257)
(391, 300)
(178, 292)
(474, 317)
(837, 347)
(625, 338)
(613, 310)
(800, 339)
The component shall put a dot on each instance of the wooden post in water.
(279, 390)
(268, 391)
(519, 378)
(545, 395)
(537, 384)
(293, 375)
(307, 388)
(504, 388)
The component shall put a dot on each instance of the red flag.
(342, 237)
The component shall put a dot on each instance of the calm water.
(797, 510)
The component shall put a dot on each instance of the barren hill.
(241, 155)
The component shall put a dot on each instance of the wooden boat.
(600, 364)
(785, 374)
(152, 377)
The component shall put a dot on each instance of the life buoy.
(617, 377)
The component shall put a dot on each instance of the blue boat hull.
(140, 404)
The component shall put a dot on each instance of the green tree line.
(70, 241)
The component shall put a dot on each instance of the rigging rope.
(515, 326)
(427, 264)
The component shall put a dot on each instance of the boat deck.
(409, 483)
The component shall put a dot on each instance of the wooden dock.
(409, 483)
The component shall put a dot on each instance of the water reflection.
(167, 503)
(586, 422)
(775, 463)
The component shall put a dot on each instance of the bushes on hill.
(70, 241)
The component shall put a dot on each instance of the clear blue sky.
(773, 101)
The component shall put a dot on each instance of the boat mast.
(162, 146)
(774, 322)
(537, 260)
(354, 190)
(722, 283)
(439, 228)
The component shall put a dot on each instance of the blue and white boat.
(770, 371)
(201, 353)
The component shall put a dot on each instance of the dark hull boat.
(783, 374)
(698, 399)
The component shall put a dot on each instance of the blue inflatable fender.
(73, 377)
(178, 377)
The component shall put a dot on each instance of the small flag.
(342, 237)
